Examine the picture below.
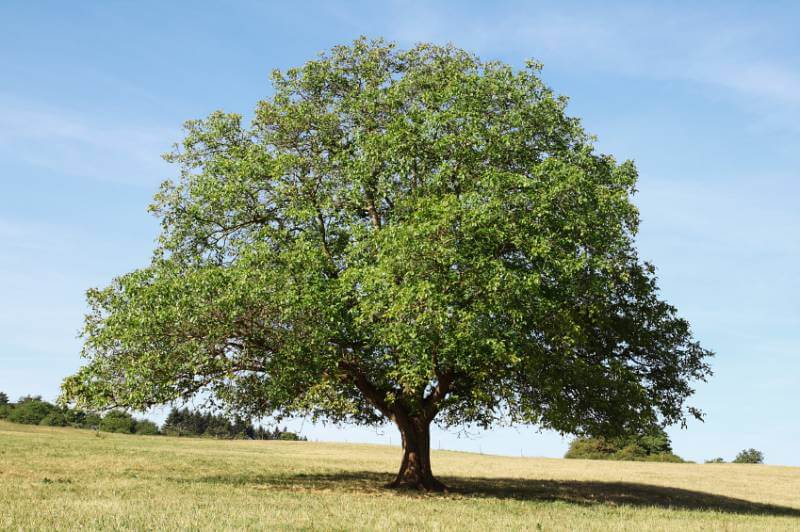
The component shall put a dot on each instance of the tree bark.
(415, 469)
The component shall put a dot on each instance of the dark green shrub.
(82, 419)
(118, 421)
(146, 427)
(55, 418)
(651, 447)
(91, 421)
(716, 460)
(654, 443)
(663, 457)
(591, 448)
(749, 456)
(30, 410)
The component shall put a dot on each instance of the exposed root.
(432, 485)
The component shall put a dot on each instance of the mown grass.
(56, 479)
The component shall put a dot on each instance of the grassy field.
(67, 478)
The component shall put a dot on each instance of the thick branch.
(430, 405)
(373, 212)
(370, 391)
(369, 193)
(324, 236)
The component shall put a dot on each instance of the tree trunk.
(415, 469)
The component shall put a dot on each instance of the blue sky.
(706, 100)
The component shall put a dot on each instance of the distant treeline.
(33, 410)
(185, 422)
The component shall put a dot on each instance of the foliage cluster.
(746, 456)
(749, 456)
(653, 446)
(118, 421)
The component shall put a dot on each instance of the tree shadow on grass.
(586, 493)
(614, 493)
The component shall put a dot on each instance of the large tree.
(406, 236)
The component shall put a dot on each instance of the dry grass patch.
(65, 478)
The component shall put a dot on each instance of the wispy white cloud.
(727, 52)
(78, 145)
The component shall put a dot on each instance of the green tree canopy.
(118, 421)
(146, 427)
(398, 235)
(749, 456)
(30, 410)
(653, 445)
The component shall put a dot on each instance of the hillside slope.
(64, 478)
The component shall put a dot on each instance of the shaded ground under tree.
(569, 491)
